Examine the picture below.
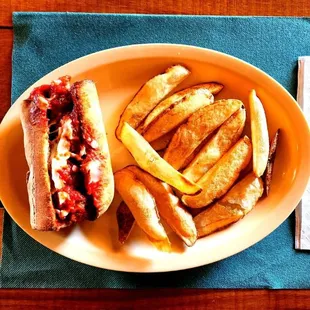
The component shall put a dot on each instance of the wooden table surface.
(139, 299)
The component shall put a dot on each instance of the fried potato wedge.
(197, 128)
(218, 180)
(125, 222)
(213, 87)
(239, 201)
(216, 217)
(151, 93)
(149, 160)
(260, 136)
(175, 99)
(195, 212)
(227, 135)
(169, 206)
(143, 207)
(162, 142)
(270, 163)
(177, 114)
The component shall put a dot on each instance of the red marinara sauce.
(60, 96)
(55, 97)
(92, 187)
(74, 200)
(39, 105)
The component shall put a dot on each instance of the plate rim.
(244, 246)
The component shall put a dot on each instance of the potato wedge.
(177, 114)
(217, 181)
(260, 136)
(143, 207)
(162, 142)
(195, 212)
(151, 93)
(213, 87)
(239, 201)
(245, 194)
(169, 206)
(149, 160)
(270, 163)
(198, 127)
(194, 154)
(175, 99)
(216, 217)
(125, 222)
(227, 135)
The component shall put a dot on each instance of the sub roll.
(70, 175)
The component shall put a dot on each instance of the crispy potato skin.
(177, 113)
(197, 128)
(151, 93)
(217, 181)
(125, 222)
(259, 133)
(270, 163)
(149, 160)
(142, 205)
(212, 87)
(162, 142)
(169, 206)
(227, 135)
(238, 202)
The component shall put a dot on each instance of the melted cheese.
(94, 144)
(42, 102)
(57, 82)
(94, 171)
(61, 152)
(62, 214)
(62, 197)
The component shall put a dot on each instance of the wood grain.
(159, 298)
(154, 299)
(208, 7)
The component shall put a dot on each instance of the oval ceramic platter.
(119, 73)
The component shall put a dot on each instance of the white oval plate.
(119, 73)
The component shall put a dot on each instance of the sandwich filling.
(74, 167)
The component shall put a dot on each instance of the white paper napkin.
(302, 213)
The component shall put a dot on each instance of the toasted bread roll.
(36, 131)
(70, 175)
(97, 166)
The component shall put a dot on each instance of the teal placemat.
(42, 42)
